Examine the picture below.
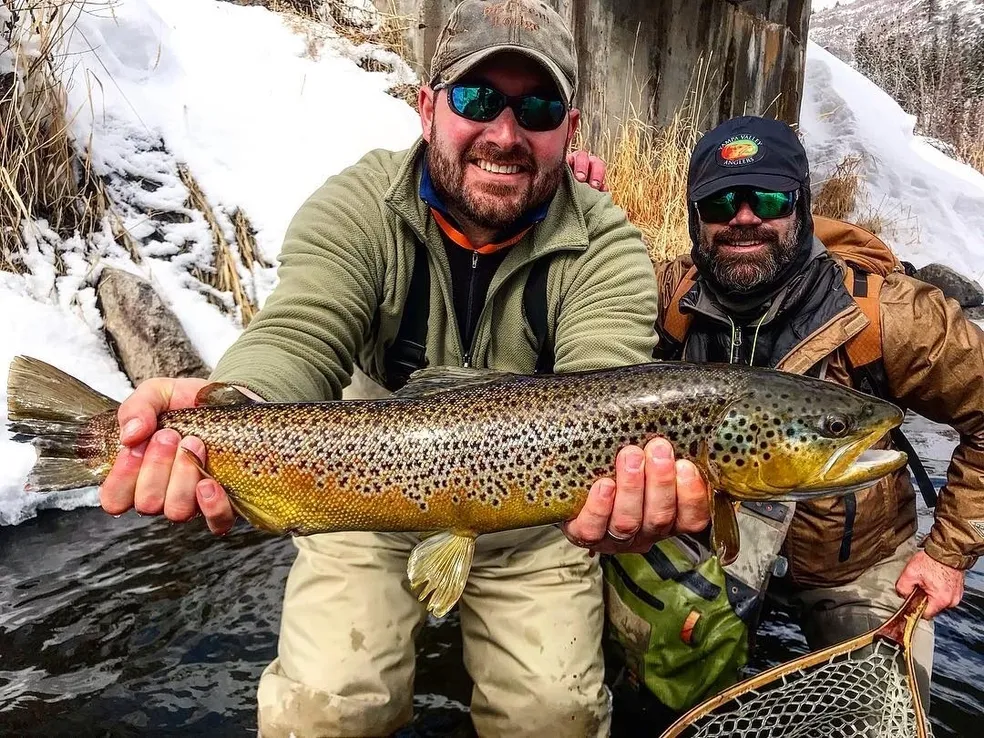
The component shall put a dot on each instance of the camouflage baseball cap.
(477, 29)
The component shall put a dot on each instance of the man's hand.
(151, 475)
(943, 584)
(653, 497)
(588, 168)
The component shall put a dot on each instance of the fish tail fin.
(71, 425)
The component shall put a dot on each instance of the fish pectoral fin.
(724, 528)
(438, 568)
(197, 461)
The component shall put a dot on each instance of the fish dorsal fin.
(437, 379)
(220, 393)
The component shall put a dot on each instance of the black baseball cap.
(748, 152)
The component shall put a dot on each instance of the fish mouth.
(857, 466)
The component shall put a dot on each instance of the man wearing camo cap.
(423, 258)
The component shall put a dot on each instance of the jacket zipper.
(467, 354)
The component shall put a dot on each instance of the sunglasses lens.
(773, 204)
(540, 114)
(476, 102)
(720, 208)
(766, 204)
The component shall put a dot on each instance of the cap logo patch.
(978, 526)
(740, 150)
(513, 13)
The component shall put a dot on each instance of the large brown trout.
(460, 452)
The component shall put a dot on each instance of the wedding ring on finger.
(620, 539)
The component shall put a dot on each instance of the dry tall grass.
(647, 176)
(42, 177)
(224, 274)
(388, 30)
(973, 154)
(647, 169)
(838, 194)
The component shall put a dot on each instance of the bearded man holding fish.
(476, 202)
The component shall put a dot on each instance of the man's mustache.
(493, 154)
(757, 233)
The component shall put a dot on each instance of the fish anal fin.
(194, 459)
(724, 528)
(258, 517)
(438, 569)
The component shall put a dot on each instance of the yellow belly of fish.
(292, 500)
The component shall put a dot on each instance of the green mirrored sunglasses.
(483, 103)
(766, 204)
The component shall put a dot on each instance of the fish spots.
(358, 640)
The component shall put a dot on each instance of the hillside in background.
(835, 25)
(928, 55)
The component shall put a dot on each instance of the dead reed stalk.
(42, 177)
(224, 275)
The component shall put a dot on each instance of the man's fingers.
(661, 491)
(215, 506)
(693, 502)
(580, 165)
(116, 492)
(630, 490)
(590, 526)
(137, 415)
(597, 171)
(180, 502)
(152, 481)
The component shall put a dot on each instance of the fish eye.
(835, 426)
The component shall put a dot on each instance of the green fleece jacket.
(345, 272)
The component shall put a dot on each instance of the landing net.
(864, 687)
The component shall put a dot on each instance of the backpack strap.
(866, 347)
(675, 323)
(408, 352)
(864, 354)
(871, 380)
(535, 307)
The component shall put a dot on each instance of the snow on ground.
(262, 114)
(236, 94)
(936, 204)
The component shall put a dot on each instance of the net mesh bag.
(864, 687)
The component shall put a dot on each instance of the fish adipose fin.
(438, 568)
(437, 379)
(52, 410)
(724, 528)
(220, 393)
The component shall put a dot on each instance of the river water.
(135, 627)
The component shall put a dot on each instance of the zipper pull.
(466, 359)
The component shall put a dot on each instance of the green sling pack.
(679, 620)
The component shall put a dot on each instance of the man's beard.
(745, 273)
(491, 206)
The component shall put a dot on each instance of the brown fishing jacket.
(933, 361)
